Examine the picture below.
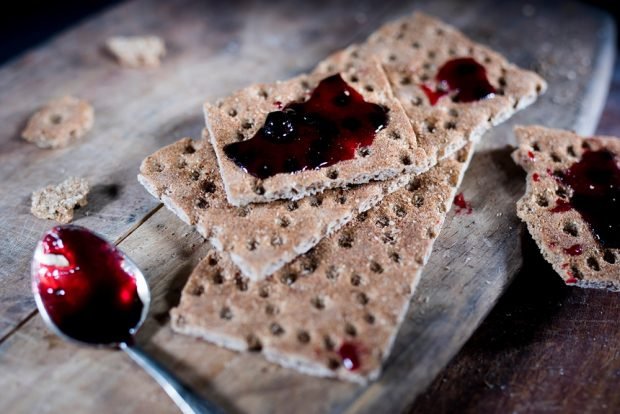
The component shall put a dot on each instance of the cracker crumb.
(58, 202)
(137, 51)
(60, 122)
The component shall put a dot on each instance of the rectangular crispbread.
(259, 238)
(542, 152)
(354, 287)
(411, 51)
(241, 115)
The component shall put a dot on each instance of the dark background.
(25, 23)
(545, 347)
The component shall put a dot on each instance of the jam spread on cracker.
(595, 185)
(464, 79)
(86, 287)
(327, 128)
(349, 355)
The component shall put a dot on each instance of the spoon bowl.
(89, 292)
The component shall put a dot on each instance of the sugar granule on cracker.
(336, 310)
(137, 51)
(58, 202)
(59, 123)
(572, 203)
(260, 238)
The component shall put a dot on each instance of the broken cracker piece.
(579, 234)
(57, 202)
(59, 123)
(336, 310)
(259, 238)
(240, 116)
(137, 51)
(412, 50)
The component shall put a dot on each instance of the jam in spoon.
(90, 292)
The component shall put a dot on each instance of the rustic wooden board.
(214, 49)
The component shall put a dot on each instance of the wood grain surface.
(214, 49)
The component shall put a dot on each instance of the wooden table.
(545, 347)
(213, 49)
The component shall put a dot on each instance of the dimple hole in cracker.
(571, 229)
(609, 257)
(593, 264)
(350, 329)
(303, 337)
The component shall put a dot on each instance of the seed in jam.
(462, 78)
(86, 286)
(327, 128)
(595, 184)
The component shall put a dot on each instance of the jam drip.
(326, 129)
(86, 287)
(462, 205)
(349, 354)
(462, 78)
(595, 185)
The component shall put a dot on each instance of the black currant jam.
(595, 184)
(86, 286)
(326, 129)
(462, 78)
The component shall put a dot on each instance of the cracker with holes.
(259, 238)
(137, 51)
(58, 202)
(452, 89)
(334, 311)
(572, 203)
(59, 123)
(296, 138)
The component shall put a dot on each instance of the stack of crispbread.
(316, 268)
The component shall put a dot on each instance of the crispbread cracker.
(260, 238)
(411, 50)
(57, 202)
(241, 115)
(542, 152)
(137, 51)
(59, 123)
(353, 287)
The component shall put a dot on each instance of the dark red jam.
(574, 250)
(86, 288)
(535, 177)
(328, 128)
(464, 79)
(561, 206)
(349, 354)
(462, 205)
(595, 184)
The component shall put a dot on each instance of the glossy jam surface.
(464, 79)
(349, 354)
(595, 184)
(462, 205)
(328, 128)
(86, 286)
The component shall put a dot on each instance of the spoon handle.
(187, 401)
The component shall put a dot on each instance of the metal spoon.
(90, 292)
